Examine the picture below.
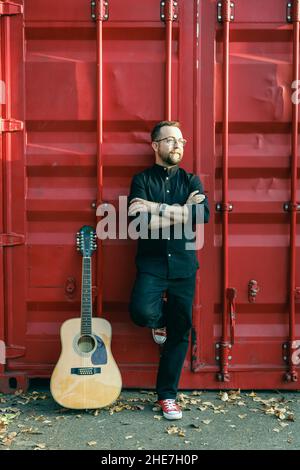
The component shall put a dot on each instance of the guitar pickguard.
(100, 354)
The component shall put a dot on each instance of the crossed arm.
(173, 214)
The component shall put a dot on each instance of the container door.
(258, 142)
(13, 268)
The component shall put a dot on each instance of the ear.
(154, 146)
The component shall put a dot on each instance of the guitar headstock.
(86, 240)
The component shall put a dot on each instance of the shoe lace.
(171, 405)
(160, 331)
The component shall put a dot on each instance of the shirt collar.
(163, 171)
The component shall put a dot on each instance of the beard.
(171, 158)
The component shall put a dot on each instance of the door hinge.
(169, 10)
(13, 352)
(293, 11)
(225, 11)
(218, 352)
(10, 8)
(99, 10)
(11, 239)
(285, 351)
(11, 125)
(291, 207)
(220, 206)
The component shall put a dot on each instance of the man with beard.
(163, 292)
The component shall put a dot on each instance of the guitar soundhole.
(86, 344)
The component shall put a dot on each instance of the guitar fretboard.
(86, 297)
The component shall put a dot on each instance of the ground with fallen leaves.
(211, 420)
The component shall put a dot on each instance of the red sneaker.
(159, 335)
(170, 409)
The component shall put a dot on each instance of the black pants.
(147, 308)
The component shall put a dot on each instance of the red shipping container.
(73, 134)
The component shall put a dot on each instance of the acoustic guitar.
(86, 375)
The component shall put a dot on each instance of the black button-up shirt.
(167, 257)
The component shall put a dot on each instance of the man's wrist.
(161, 209)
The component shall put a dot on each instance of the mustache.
(176, 153)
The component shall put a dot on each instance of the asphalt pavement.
(216, 420)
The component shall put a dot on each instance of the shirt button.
(168, 191)
(167, 178)
(169, 254)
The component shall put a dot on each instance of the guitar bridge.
(85, 370)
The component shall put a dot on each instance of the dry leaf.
(172, 429)
(224, 396)
(234, 394)
(41, 445)
(157, 417)
(291, 417)
(242, 416)
(206, 421)
(175, 430)
(92, 443)
(128, 437)
(31, 431)
(2, 427)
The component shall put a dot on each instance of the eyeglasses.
(172, 141)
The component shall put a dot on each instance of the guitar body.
(86, 375)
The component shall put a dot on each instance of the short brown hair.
(155, 133)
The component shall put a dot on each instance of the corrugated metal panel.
(54, 182)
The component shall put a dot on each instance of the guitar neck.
(86, 296)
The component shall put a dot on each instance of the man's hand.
(195, 198)
(142, 205)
